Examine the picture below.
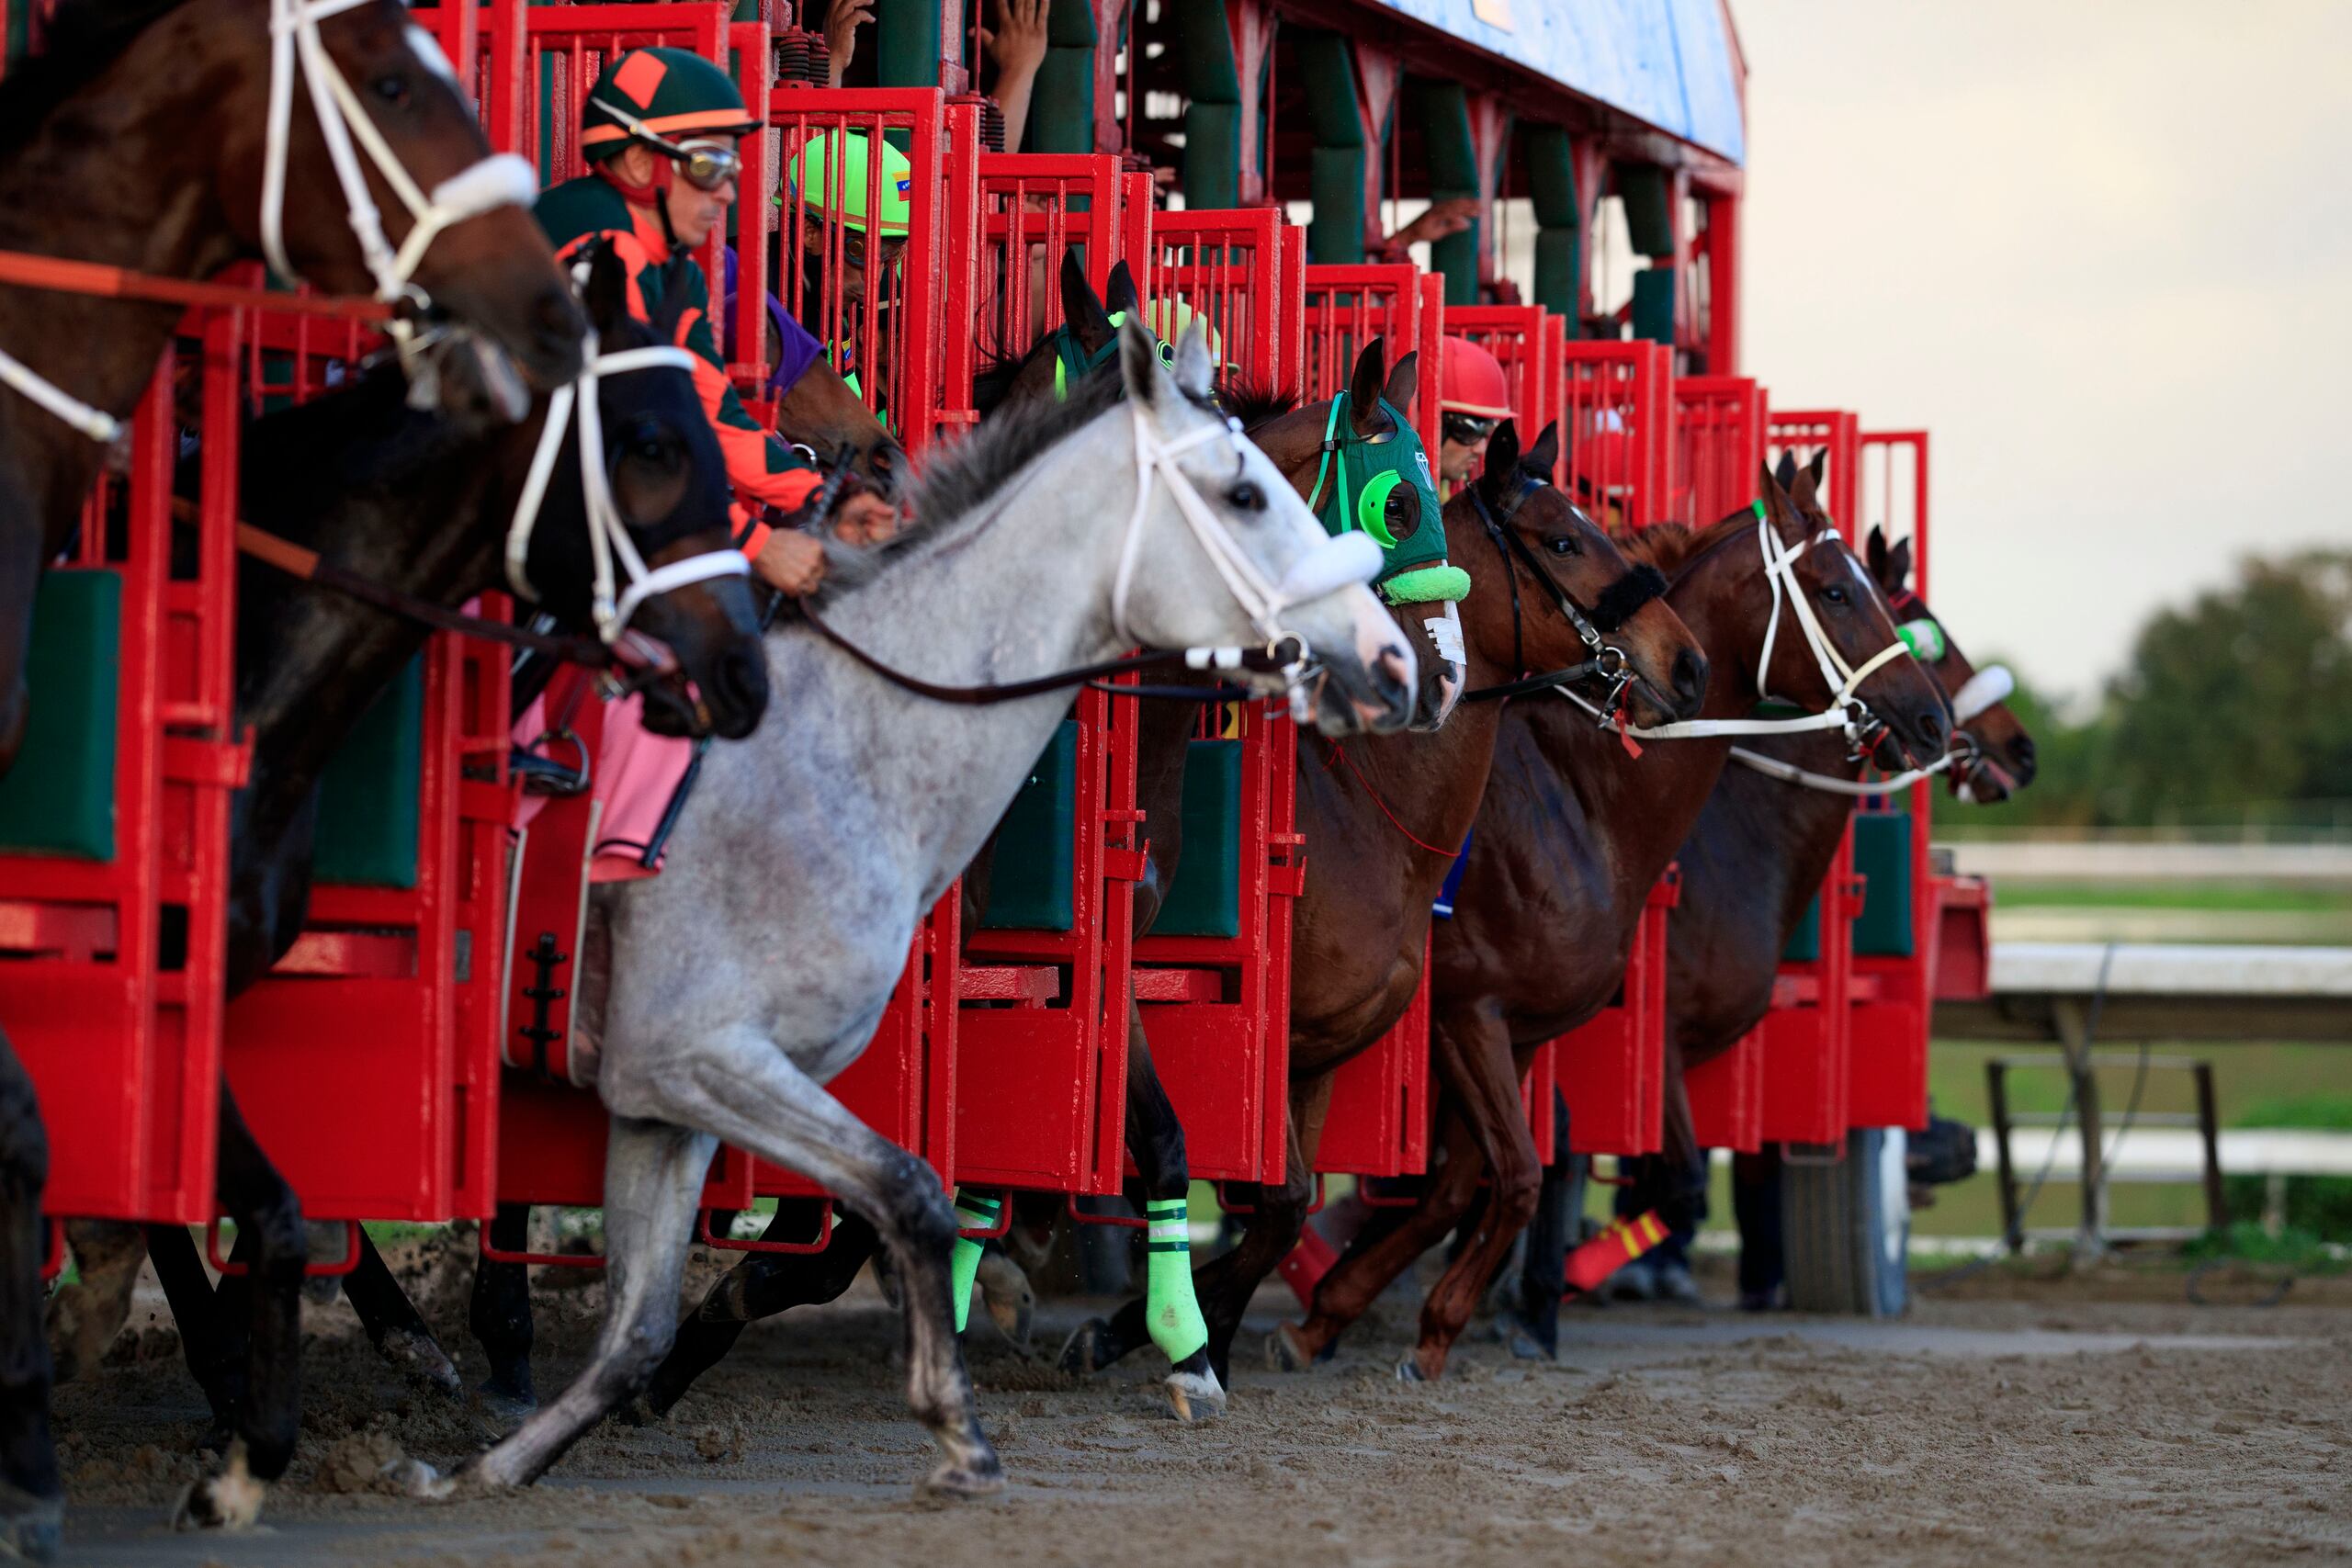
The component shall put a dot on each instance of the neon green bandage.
(1427, 585)
(972, 1213)
(1176, 1327)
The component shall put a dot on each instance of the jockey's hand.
(843, 19)
(863, 519)
(791, 562)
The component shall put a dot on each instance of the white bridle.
(503, 180)
(1351, 559)
(294, 45)
(607, 535)
(1845, 709)
(1989, 686)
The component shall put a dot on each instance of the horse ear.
(1122, 294)
(1774, 493)
(1805, 496)
(1544, 458)
(1195, 369)
(1787, 471)
(1403, 382)
(1139, 363)
(1502, 460)
(1898, 567)
(1082, 312)
(1364, 388)
(1875, 557)
(606, 297)
(1819, 468)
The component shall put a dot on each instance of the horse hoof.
(1286, 1351)
(35, 1533)
(953, 1483)
(1011, 1303)
(504, 1408)
(1409, 1371)
(1523, 1341)
(1080, 1352)
(422, 1361)
(1195, 1396)
(414, 1478)
(229, 1501)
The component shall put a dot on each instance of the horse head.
(1994, 755)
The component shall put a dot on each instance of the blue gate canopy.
(1666, 62)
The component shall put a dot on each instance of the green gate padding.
(1882, 854)
(368, 796)
(1036, 847)
(1206, 897)
(58, 798)
(1804, 943)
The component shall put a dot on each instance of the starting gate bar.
(1347, 306)
(115, 822)
(1237, 268)
(1614, 401)
(1719, 424)
(1033, 209)
(1727, 1096)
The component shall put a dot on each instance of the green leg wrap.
(972, 1213)
(1176, 1327)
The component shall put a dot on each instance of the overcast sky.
(2104, 252)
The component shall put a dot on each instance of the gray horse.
(759, 965)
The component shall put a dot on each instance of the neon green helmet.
(672, 92)
(841, 188)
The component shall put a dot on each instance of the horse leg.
(653, 1176)
(499, 1314)
(1474, 1056)
(1534, 1328)
(741, 1087)
(762, 1284)
(394, 1326)
(32, 1495)
(189, 1289)
(269, 1415)
(86, 1316)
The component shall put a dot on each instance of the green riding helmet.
(811, 179)
(1384, 489)
(675, 93)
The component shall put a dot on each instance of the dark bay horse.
(1753, 861)
(1383, 817)
(421, 503)
(1573, 832)
(138, 142)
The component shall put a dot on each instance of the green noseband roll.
(1427, 585)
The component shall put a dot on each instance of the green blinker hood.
(1384, 489)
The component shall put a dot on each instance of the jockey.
(659, 132)
(871, 242)
(1474, 397)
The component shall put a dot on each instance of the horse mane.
(1670, 546)
(1000, 368)
(85, 38)
(1254, 404)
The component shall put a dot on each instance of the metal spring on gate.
(802, 58)
(991, 119)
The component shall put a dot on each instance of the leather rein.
(1624, 597)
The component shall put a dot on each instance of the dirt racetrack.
(2021, 1423)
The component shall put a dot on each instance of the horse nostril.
(1931, 730)
(1390, 667)
(739, 690)
(1690, 677)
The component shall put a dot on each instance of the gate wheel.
(1847, 1228)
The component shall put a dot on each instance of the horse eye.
(1564, 544)
(392, 89)
(1833, 594)
(1245, 496)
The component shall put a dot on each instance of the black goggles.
(1464, 430)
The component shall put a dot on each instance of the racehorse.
(802, 864)
(1384, 820)
(420, 504)
(143, 140)
(1572, 834)
(761, 1285)
(1759, 850)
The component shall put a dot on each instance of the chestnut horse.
(1572, 834)
(1383, 818)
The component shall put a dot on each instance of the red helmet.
(1471, 382)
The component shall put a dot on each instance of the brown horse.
(1383, 819)
(1573, 832)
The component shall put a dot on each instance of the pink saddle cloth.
(636, 772)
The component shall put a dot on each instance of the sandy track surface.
(1989, 1428)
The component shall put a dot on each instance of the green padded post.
(1453, 162)
(1882, 856)
(1653, 305)
(1649, 199)
(1205, 899)
(367, 795)
(1559, 221)
(1804, 943)
(1036, 845)
(1061, 107)
(58, 798)
(1326, 67)
(908, 48)
(1213, 116)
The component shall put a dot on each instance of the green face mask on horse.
(1384, 489)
